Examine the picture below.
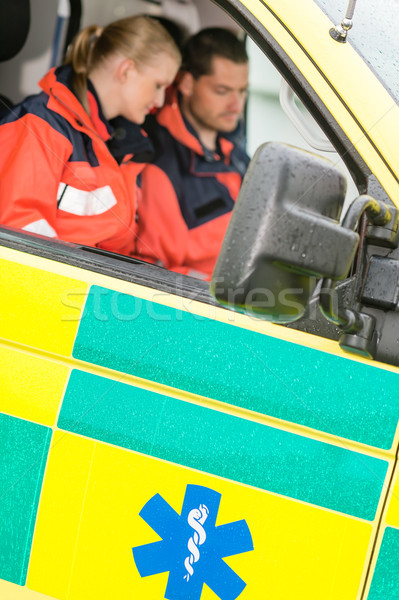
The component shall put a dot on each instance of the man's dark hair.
(202, 47)
(176, 31)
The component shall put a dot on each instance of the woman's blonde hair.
(138, 38)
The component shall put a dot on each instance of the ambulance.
(161, 437)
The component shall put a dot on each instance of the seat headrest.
(14, 26)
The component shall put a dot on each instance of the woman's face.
(144, 87)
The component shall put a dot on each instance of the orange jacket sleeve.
(32, 160)
(160, 223)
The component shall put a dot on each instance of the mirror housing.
(284, 234)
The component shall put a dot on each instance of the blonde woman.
(66, 170)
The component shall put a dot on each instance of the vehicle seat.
(14, 29)
(14, 26)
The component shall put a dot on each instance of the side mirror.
(284, 234)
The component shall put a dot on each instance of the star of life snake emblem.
(192, 546)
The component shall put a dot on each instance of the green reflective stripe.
(224, 445)
(385, 583)
(244, 368)
(23, 454)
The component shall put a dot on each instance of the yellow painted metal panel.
(60, 514)
(30, 387)
(181, 304)
(91, 526)
(392, 517)
(11, 591)
(49, 320)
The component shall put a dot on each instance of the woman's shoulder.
(34, 104)
(34, 115)
(38, 106)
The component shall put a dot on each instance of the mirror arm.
(359, 329)
(359, 333)
(343, 317)
(378, 213)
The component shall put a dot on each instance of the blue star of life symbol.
(192, 546)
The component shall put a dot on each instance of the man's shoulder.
(153, 128)
(161, 125)
(168, 148)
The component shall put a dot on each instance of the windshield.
(374, 35)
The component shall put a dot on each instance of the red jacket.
(188, 194)
(57, 175)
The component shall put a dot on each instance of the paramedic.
(58, 175)
(189, 191)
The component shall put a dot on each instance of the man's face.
(216, 102)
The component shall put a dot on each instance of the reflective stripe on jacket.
(188, 194)
(57, 175)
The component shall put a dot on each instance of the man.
(189, 191)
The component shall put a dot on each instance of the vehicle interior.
(342, 303)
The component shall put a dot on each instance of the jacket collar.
(123, 137)
(57, 83)
(170, 117)
(104, 127)
(129, 138)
